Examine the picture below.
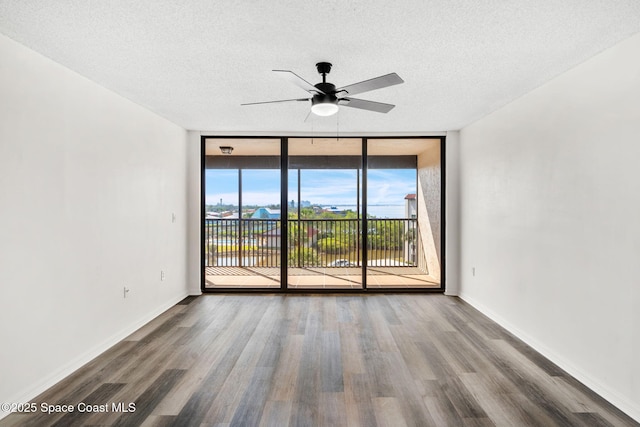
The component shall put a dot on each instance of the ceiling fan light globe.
(324, 109)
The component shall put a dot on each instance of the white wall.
(88, 185)
(194, 212)
(452, 213)
(550, 220)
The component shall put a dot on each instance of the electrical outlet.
(473, 271)
(173, 217)
(162, 275)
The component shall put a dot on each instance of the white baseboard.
(621, 402)
(34, 390)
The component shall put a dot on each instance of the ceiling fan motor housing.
(327, 88)
(323, 67)
(323, 99)
(324, 103)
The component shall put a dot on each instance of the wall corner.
(452, 213)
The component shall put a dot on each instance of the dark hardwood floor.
(323, 360)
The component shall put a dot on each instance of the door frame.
(284, 172)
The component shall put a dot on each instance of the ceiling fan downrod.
(323, 68)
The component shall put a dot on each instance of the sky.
(334, 187)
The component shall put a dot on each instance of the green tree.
(299, 257)
(385, 234)
(334, 245)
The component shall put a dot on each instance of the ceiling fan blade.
(371, 84)
(366, 105)
(298, 81)
(272, 102)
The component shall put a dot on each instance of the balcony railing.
(311, 242)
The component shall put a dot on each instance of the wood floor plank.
(276, 414)
(86, 379)
(332, 412)
(329, 314)
(283, 388)
(198, 357)
(331, 372)
(410, 394)
(592, 419)
(358, 397)
(582, 400)
(343, 311)
(96, 401)
(388, 412)
(505, 409)
(325, 360)
(380, 326)
(200, 403)
(261, 350)
(477, 422)
(464, 402)
(159, 421)
(149, 399)
(253, 401)
(413, 358)
(305, 411)
(352, 359)
(442, 410)
(158, 323)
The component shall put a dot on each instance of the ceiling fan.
(326, 98)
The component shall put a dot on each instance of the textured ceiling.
(194, 62)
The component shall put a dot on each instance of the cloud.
(322, 187)
(390, 186)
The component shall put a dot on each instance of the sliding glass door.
(403, 185)
(242, 223)
(322, 214)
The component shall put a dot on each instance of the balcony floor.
(319, 278)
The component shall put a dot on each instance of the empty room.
(319, 213)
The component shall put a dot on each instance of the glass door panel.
(325, 224)
(242, 213)
(403, 213)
